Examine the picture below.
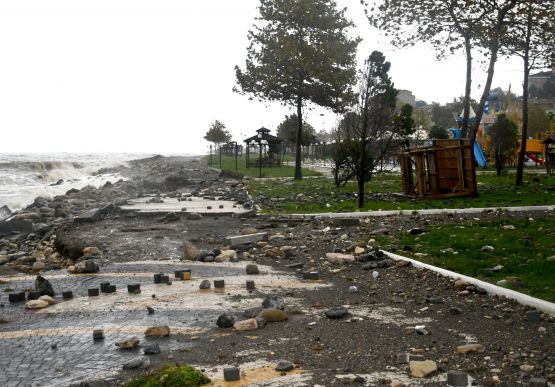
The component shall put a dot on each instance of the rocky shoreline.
(269, 299)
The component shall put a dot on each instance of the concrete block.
(346, 222)
(98, 334)
(67, 294)
(246, 239)
(16, 297)
(93, 292)
(219, 284)
(232, 374)
(157, 278)
(110, 289)
(250, 285)
(134, 288)
(164, 279)
(103, 286)
(33, 295)
(457, 379)
(89, 216)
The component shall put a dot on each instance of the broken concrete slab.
(89, 216)
(7, 228)
(246, 239)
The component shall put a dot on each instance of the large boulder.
(190, 252)
(44, 287)
(159, 331)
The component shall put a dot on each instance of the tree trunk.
(362, 175)
(298, 172)
(524, 134)
(467, 90)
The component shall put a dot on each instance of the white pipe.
(544, 306)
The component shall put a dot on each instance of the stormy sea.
(23, 177)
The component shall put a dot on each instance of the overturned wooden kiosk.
(442, 169)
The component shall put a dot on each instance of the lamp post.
(259, 154)
(235, 147)
(210, 154)
(324, 151)
(220, 156)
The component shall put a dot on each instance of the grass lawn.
(320, 195)
(526, 252)
(228, 163)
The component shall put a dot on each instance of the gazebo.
(549, 156)
(267, 147)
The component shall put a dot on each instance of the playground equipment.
(443, 169)
(478, 152)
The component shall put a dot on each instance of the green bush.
(172, 376)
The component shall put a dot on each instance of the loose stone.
(252, 269)
(205, 284)
(470, 348)
(43, 286)
(250, 285)
(151, 349)
(273, 302)
(274, 315)
(93, 292)
(159, 331)
(226, 320)
(284, 366)
(246, 325)
(36, 304)
(336, 313)
(128, 343)
(33, 295)
(421, 369)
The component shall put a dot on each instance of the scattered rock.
(487, 249)
(43, 286)
(190, 252)
(205, 284)
(38, 266)
(128, 343)
(159, 331)
(226, 320)
(47, 299)
(246, 325)
(91, 250)
(274, 302)
(88, 266)
(336, 313)
(284, 366)
(470, 348)
(274, 315)
(252, 269)
(151, 349)
(137, 362)
(36, 304)
(339, 258)
(421, 369)
(231, 374)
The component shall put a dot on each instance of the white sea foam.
(23, 177)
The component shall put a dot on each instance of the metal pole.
(210, 154)
(220, 157)
(260, 159)
(236, 151)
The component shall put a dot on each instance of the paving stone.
(98, 334)
(89, 216)
(219, 284)
(134, 288)
(232, 374)
(93, 292)
(67, 294)
(250, 285)
(457, 379)
(16, 297)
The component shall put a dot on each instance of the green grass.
(523, 252)
(172, 376)
(320, 195)
(228, 163)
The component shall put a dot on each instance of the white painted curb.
(544, 306)
(420, 212)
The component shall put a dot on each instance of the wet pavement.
(54, 346)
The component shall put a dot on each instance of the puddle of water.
(388, 315)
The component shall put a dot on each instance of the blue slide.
(478, 152)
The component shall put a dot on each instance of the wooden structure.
(266, 146)
(549, 155)
(441, 170)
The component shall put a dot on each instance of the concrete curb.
(368, 214)
(544, 306)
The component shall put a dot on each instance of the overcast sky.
(151, 75)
